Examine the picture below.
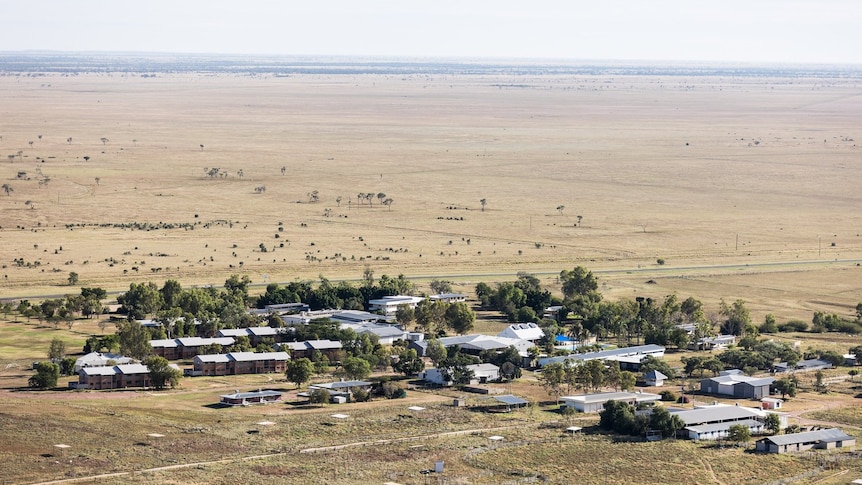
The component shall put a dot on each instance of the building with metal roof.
(824, 439)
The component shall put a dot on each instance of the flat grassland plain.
(744, 181)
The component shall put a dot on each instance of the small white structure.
(448, 297)
(654, 378)
(593, 403)
(771, 403)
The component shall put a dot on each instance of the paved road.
(645, 270)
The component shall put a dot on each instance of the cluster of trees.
(820, 322)
(592, 375)
(753, 354)
(436, 317)
(523, 300)
(179, 309)
(620, 417)
(64, 310)
(343, 295)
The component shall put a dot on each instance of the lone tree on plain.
(104, 140)
(388, 203)
(560, 209)
(73, 278)
(69, 140)
(47, 374)
(483, 202)
(380, 197)
(338, 201)
(7, 188)
(202, 147)
(283, 169)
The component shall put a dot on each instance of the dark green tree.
(408, 363)
(162, 375)
(773, 423)
(435, 351)
(355, 368)
(47, 374)
(134, 340)
(459, 317)
(299, 371)
(142, 300)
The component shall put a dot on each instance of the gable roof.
(734, 379)
(526, 331)
(212, 358)
(254, 356)
(655, 375)
(714, 414)
(612, 396)
(638, 350)
(723, 426)
(830, 435)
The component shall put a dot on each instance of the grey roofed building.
(98, 359)
(356, 316)
(254, 356)
(477, 343)
(737, 385)
(511, 400)
(339, 385)
(212, 358)
(593, 403)
(253, 397)
(820, 439)
(386, 334)
(714, 431)
(714, 414)
(803, 365)
(639, 350)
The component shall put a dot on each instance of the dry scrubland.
(670, 167)
(667, 167)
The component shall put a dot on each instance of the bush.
(793, 326)
(318, 396)
(393, 390)
(668, 396)
(360, 395)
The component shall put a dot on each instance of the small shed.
(508, 402)
(771, 403)
(654, 378)
(824, 439)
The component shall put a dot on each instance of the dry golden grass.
(657, 166)
(677, 168)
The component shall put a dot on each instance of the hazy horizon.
(735, 31)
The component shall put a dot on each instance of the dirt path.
(712, 474)
(321, 449)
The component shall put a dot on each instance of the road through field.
(691, 270)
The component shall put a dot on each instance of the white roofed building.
(524, 331)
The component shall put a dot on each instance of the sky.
(751, 31)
